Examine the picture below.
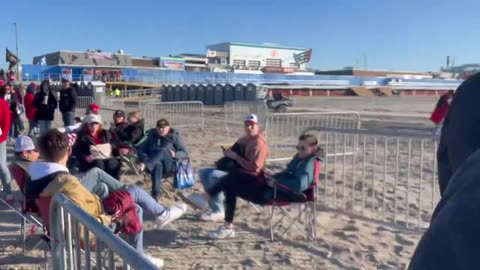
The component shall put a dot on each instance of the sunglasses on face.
(34, 151)
(301, 148)
(94, 124)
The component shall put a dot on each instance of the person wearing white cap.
(93, 147)
(26, 153)
(246, 157)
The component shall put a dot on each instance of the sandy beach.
(346, 238)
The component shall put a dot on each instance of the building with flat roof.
(376, 73)
(243, 56)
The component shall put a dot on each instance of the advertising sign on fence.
(67, 73)
(88, 74)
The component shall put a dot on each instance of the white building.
(242, 56)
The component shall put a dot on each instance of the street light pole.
(16, 51)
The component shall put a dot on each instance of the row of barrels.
(211, 94)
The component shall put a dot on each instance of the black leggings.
(240, 185)
(112, 166)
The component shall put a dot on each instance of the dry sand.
(344, 241)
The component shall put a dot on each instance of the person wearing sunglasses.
(245, 159)
(297, 177)
(93, 147)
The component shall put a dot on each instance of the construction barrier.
(283, 129)
(386, 176)
(178, 114)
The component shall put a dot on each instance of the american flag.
(303, 57)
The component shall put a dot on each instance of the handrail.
(61, 226)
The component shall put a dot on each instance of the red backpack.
(120, 205)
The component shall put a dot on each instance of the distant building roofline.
(261, 46)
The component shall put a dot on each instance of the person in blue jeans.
(101, 183)
(159, 154)
(209, 177)
(5, 119)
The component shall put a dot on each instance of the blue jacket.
(156, 143)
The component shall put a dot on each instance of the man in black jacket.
(68, 99)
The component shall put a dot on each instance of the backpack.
(120, 205)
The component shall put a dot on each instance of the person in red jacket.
(29, 108)
(5, 123)
(441, 110)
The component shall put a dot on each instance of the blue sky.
(398, 35)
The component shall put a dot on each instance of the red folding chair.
(28, 209)
(306, 200)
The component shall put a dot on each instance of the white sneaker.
(170, 214)
(221, 233)
(196, 200)
(212, 217)
(156, 261)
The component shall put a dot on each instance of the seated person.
(52, 176)
(297, 177)
(93, 149)
(25, 153)
(118, 125)
(248, 155)
(159, 153)
(127, 137)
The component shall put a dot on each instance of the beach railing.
(66, 219)
(179, 114)
(387, 176)
(283, 129)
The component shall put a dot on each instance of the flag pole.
(16, 51)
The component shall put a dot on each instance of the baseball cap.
(94, 108)
(24, 143)
(93, 118)
(162, 123)
(252, 118)
(119, 113)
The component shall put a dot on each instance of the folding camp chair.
(307, 202)
(129, 158)
(28, 209)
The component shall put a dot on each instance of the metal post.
(19, 77)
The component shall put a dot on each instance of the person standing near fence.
(29, 108)
(68, 102)
(440, 111)
(10, 96)
(45, 104)
(4, 130)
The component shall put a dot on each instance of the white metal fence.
(112, 102)
(66, 219)
(178, 114)
(107, 116)
(386, 176)
(283, 129)
(236, 111)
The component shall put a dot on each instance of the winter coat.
(28, 103)
(5, 120)
(133, 133)
(84, 141)
(156, 143)
(452, 240)
(68, 100)
(45, 112)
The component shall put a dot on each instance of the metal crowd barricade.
(82, 104)
(66, 220)
(112, 102)
(107, 116)
(179, 114)
(236, 111)
(283, 129)
(389, 176)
